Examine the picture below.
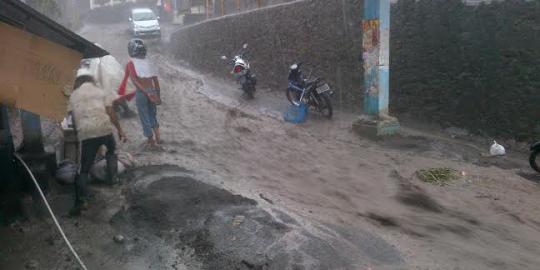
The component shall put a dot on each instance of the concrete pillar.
(376, 61)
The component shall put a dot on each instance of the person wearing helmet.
(92, 110)
(296, 80)
(147, 96)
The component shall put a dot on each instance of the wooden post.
(222, 7)
(238, 5)
(259, 4)
(207, 9)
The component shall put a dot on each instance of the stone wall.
(476, 67)
(324, 33)
(471, 66)
(231, 7)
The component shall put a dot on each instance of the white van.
(143, 22)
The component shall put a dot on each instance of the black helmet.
(136, 48)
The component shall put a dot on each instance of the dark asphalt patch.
(228, 231)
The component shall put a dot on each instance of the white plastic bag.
(109, 73)
(66, 172)
(497, 149)
(99, 170)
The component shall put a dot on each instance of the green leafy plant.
(438, 176)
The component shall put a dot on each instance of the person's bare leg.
(151, 142)
(158, 137)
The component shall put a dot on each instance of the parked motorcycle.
(312, 91)
(242, 72)
(535, 151)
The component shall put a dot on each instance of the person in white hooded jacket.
(91, 108)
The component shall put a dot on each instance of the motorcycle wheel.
(292, 96)
(325, 106)
(249, 89)
(532, 160)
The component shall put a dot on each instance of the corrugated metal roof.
(20, 15)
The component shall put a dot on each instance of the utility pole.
(376, 60)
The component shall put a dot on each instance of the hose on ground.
(66, 240)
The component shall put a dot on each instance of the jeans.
(89, 150)
(147, 113)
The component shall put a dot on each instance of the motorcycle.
(242, 71)
(312, 91)
(535, 151)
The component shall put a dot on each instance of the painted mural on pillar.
(371, 44)
(370, 55)
(376, 56)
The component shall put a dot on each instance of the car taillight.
(238, 69)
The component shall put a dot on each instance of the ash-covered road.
(323, 176)
(211, 216)
(235, 187)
